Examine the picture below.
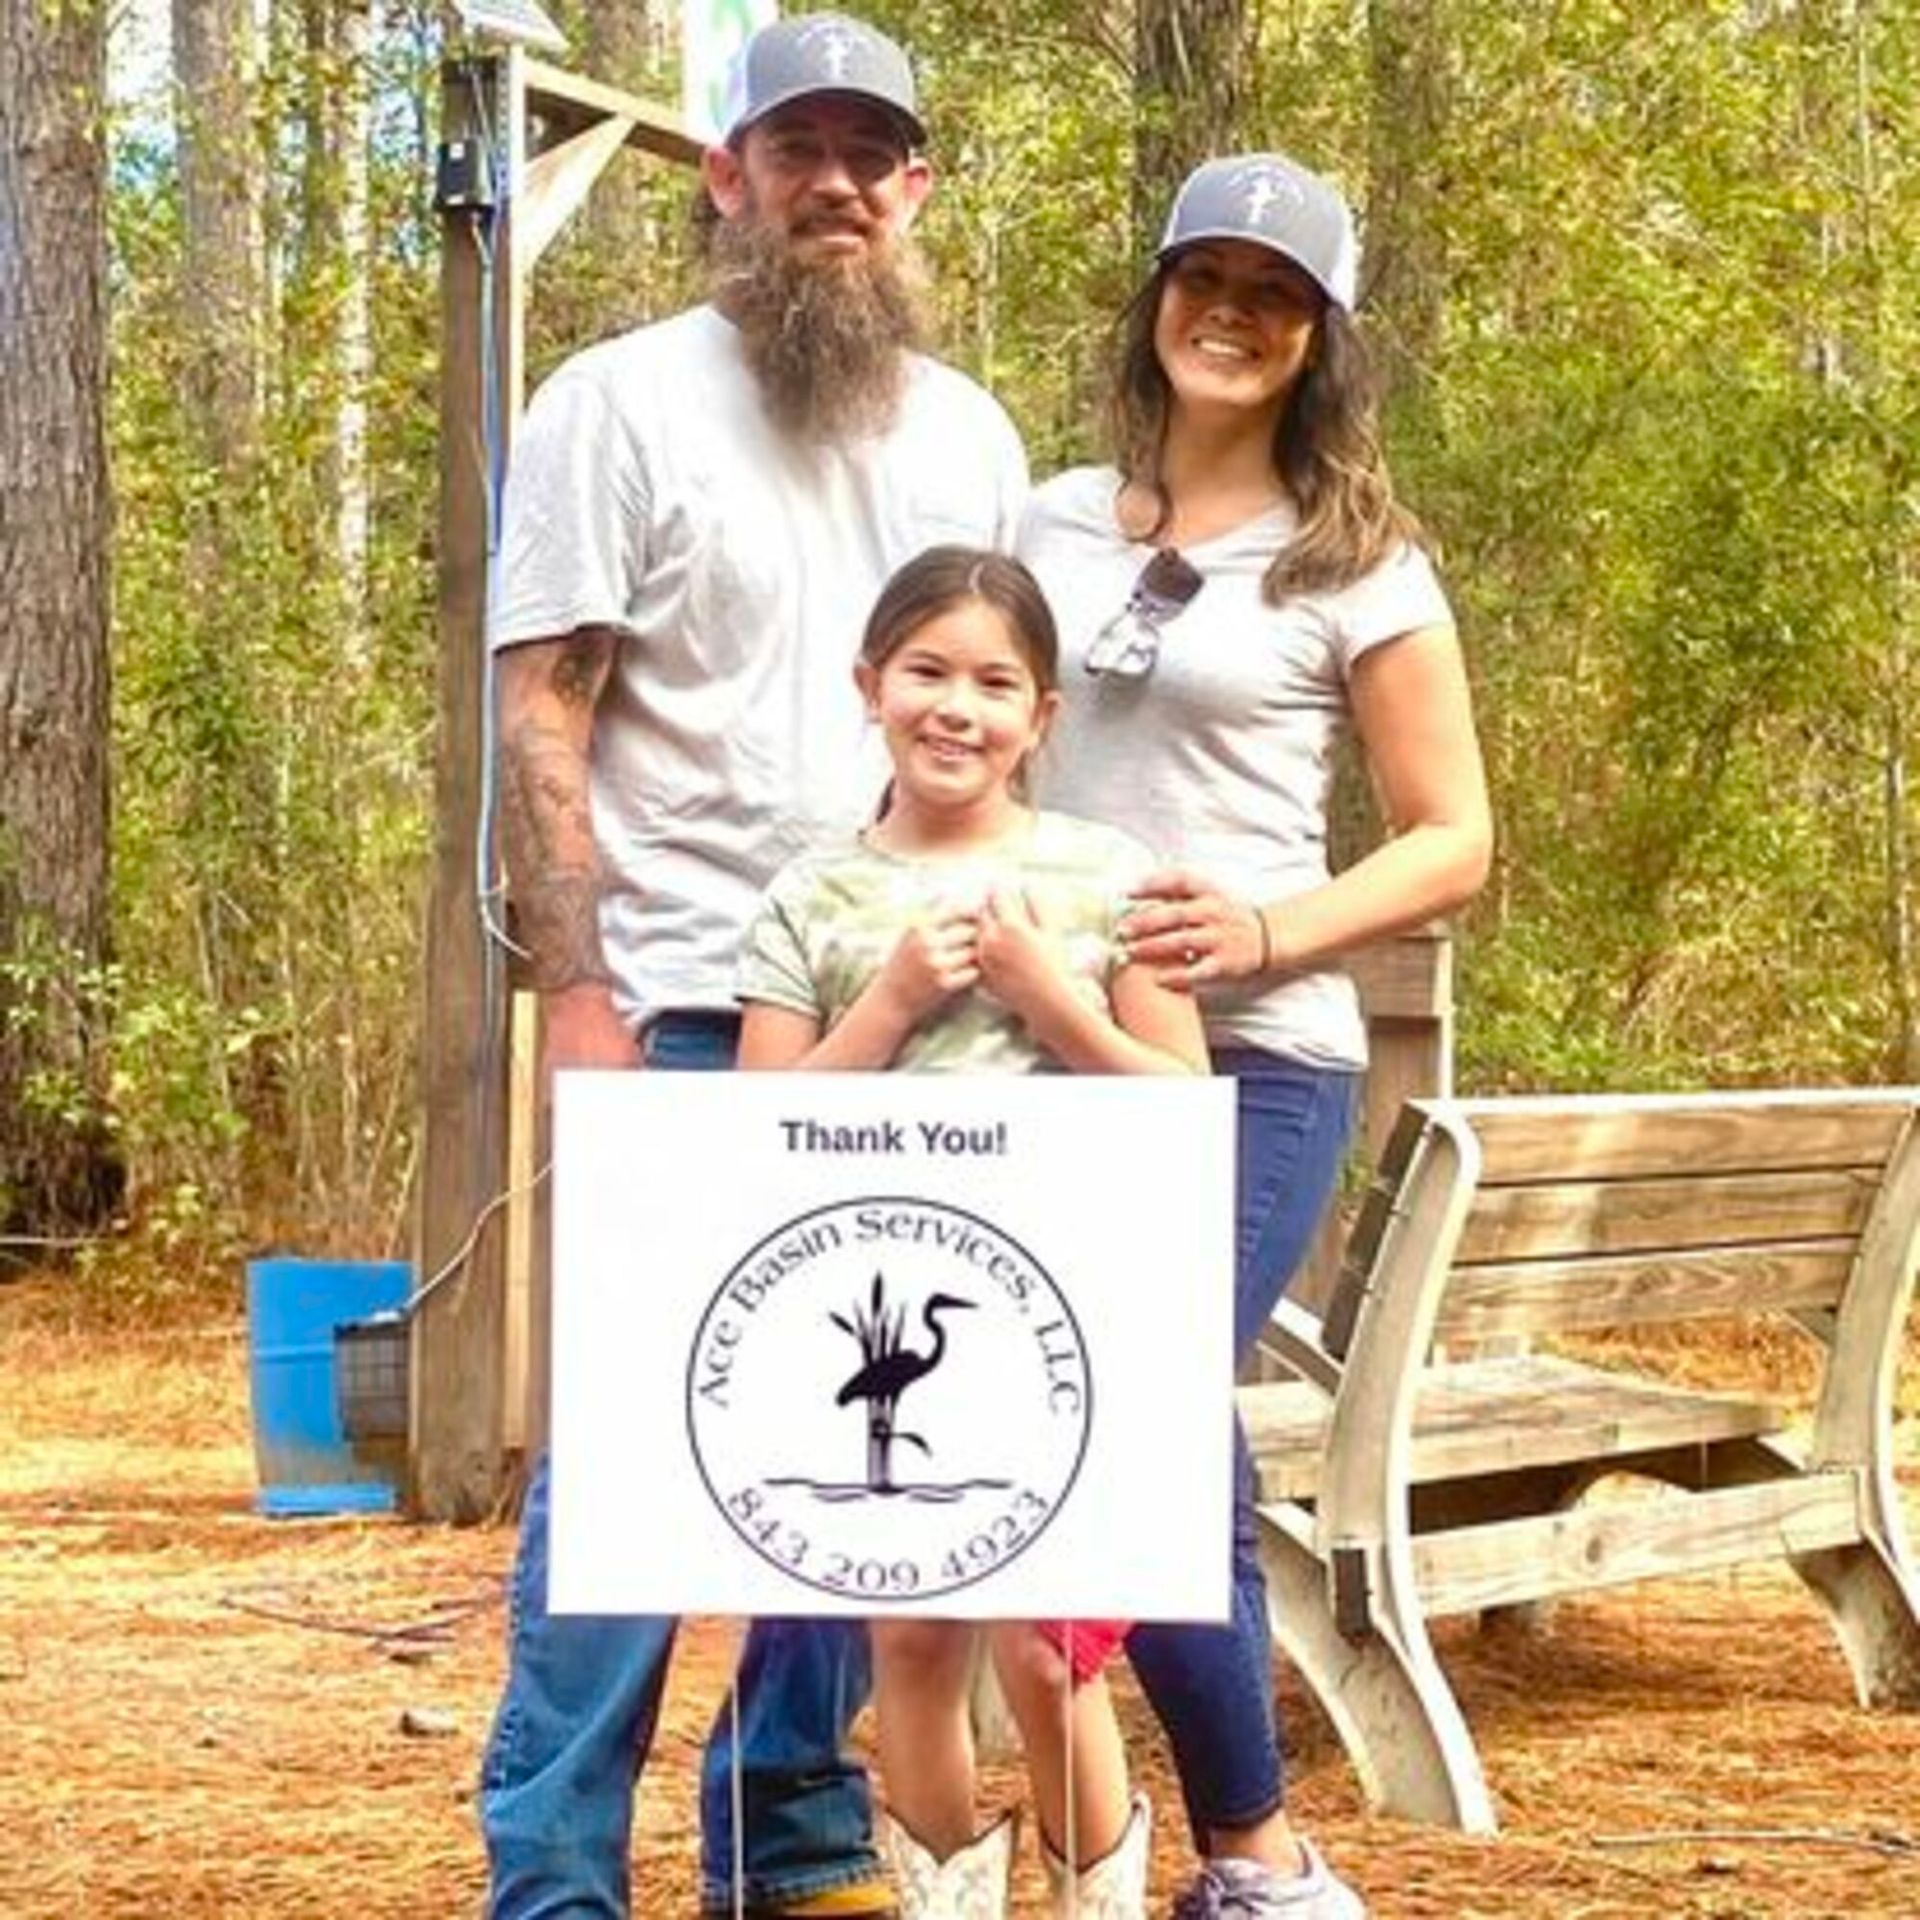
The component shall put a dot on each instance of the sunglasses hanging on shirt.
(1128, 646)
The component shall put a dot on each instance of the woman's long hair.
(1326, 449)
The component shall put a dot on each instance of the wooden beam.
(478, 1347)
(456, 1460)
(516, 1362)
(1505, 1415)
(1409, 977)
(558, 180)
(1605, 1546)
(566, 104)
(1545, 1296)
(1610, 1136)
(1657, 1216)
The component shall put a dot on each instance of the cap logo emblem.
(833, 44)
(1268, 195)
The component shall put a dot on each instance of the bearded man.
(699, 517)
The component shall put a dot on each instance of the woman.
(1238, 589)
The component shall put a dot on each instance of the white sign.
(918, 1344)
(712, 33)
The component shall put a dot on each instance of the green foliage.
(272, 721)
(1666, 434)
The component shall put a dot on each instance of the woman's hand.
(1021, 961)
(1190, 933)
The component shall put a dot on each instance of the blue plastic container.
(306, 1463)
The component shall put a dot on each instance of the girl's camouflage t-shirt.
(832, 916)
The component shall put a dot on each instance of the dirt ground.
(203, 1712)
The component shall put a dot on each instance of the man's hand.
(581, 1029)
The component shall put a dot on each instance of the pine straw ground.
(201, 1711)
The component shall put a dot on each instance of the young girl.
(965, 932)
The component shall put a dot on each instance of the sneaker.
(862, 1900)
(1229, 1889)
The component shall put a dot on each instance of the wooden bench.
(1398, 1484)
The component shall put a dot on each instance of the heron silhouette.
(889, 1370)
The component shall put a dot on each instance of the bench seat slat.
(1531, 1139)
(1548, 1296)
(1510, 1561)
(1657, 1216)
(1501, 1415)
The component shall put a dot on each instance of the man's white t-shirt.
(650, 493)
(1220, 758)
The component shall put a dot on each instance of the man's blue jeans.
(1212, 1687)
(583, 1694)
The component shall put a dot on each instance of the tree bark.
(1405, 266)
(55, 524)
(337, 243)
(1189, 85)
(214, 58)
(622, 229)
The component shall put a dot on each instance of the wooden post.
(478, 1350)
(455, 1458)
(1406, 995)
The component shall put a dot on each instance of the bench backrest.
(1611, 1210)
(1542, 1215)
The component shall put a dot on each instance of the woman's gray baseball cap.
(1276, 203)
(813, 53)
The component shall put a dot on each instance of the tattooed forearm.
(546, 817)
(579, 668)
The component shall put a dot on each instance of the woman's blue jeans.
(1212, 1687)
(583, 1694)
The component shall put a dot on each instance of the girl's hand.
(1190, 933)
(931, 962)
(1021, 961)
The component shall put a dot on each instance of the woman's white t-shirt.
(1222, 756)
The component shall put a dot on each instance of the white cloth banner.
(916, 1344)
(712, 32)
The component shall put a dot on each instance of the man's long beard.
(827, 340)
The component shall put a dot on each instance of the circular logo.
(889, 1398)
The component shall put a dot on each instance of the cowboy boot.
(968, 1885)
(1114, 1887)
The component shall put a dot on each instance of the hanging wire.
(487, 888)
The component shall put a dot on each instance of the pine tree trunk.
(220, 196)
(227, 800)
(339, 246)
(623, 48)
(1190, 74)
(1405, 265)
(55, 524)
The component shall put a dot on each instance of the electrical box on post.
(463, 179)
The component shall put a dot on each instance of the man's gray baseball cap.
(814, 53)
(1276, 203)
